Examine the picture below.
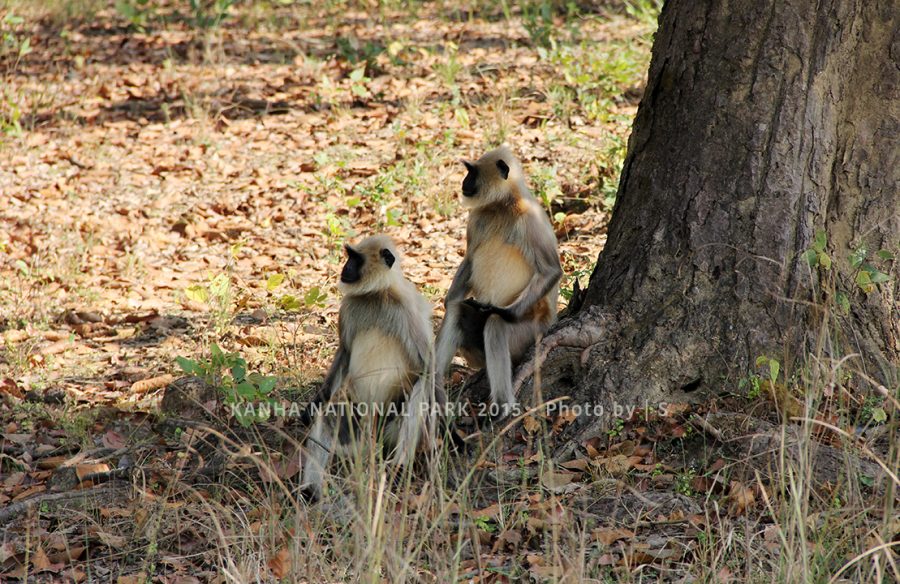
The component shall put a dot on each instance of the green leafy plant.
(380, 191)
(338, 227)
(228, 373)
(753, 383)
(313, 297)
(574, 270)
(873, 410)
(568, 290)
(646, 11)
(537, 18)
(358, 81)
(11, 43)
(683, 482)
(138, 13)
(218, 294)
(274, 281)
(13, 47)
(594, 77)
(816, 256)
(546, 186)
(485, 524)
(867, 274)
(286, 302)
(774, 367)
(353, 51)
(618, 424)
(208, 14)
(449, 69)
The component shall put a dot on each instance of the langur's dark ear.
(469, 166)
(388, 257)
(503, 168)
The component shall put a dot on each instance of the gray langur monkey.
(504, 293)
(384, 362)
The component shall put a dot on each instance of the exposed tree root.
(581, 332)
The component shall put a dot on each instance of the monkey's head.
(491, 178)
(372, 264)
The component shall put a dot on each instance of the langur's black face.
(365, 261)
(470, 183)
(352, 271)
(481, 174)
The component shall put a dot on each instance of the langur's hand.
(504, 313)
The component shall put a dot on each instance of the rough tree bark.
(762, 123)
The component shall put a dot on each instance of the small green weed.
(13, 47)
(683, 482)
(218, 293)
(314, 297)
(208, 14)
(618, 424)
(228, 373)
(646, 11)
(138, 13)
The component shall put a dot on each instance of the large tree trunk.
(762, 123)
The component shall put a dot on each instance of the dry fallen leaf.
(280, 563)
(51, 462)
(508, 538)
(615, 465)
(10, 387)
(556, 480)
(113, 439)
(85, 470)
(610, 536)
(740, 498)
(578, 464)
(68, 554)
(551, 572)
(40, 561)
(58, 347)
(152, 383)
(531, 424)
(491, 512)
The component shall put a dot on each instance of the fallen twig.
(705, 426)
(102, 493)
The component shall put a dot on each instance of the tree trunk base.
(592, 359)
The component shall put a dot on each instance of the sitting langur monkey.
(504, 293)
(385, 357)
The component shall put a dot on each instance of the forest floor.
(171, 185)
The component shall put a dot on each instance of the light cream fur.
(499, 272)
(379, 369)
